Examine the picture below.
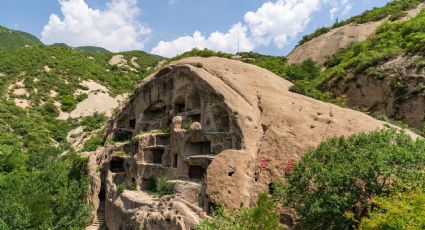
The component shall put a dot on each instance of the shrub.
(401, 211)
(261, 217)
(121, 188)
(332, 186)
(92, 143)
(68, 103)
(164, 187)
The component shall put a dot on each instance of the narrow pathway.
(99, 222)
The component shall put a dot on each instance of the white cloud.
(114, 28)
(340, 8)
(275, 21)
(226, 42)
(280, 21)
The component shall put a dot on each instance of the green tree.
(332, 186)
(402, 211)
(262, 217)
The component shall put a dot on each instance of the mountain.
(11, 39)
(93, 49)
(54, 101)
(321, 45)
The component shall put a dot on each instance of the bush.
(68, 103)
(401, 211)
(164, 187)
(92, 143)
(121, 188)
(261, 217)
(332, 186)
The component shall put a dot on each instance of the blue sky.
(168, 27)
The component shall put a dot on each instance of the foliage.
(262, 217)
(92, 143)
(395, 10)
(200, 53)
(331, 187)
(400, 211)
(391, 40)
(121, 188)
(164, 187)
(93, 49)
(12, 39)
(40, 187)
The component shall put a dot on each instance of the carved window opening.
(180, 105)
(155, 112)
(195, 118)
(175, 160)
(117, 165)
(157, 155)
(193, 101)
(132, 123)
(198, 148)
(197, 172)
(221, 119)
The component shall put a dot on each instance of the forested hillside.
(43, 182)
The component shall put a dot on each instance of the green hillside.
(93, 49)
(393, 10)
(39, 189)
(11, 39)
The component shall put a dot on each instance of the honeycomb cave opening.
(180, 105)
(198, 148)
(197, 172)
(175, 160)
(193, 101)
(102, 195)
(116, 165)
(221, 119)
(132, 123)
(148, 184)
(157, 155)
(154, 112)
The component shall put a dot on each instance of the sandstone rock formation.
(323, 47)
(220, 129)
(395, 90)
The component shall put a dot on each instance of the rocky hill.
(11, 39)
(55, 100)
(253, 133)
(326, 42)
(213, 127)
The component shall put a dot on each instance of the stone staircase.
(99, 222)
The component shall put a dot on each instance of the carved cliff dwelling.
(221, 130)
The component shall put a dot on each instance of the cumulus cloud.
(340, 8)
(275, 21)
(280, 21)
(236, 39)
(114, 27)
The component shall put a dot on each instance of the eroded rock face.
(220, 129)
(394, 90)
(322, 48)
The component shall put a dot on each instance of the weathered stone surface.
(220, 129)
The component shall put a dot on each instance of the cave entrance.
(175, 160)
(102, 195)
(148, 184)
(198, 148)
(116, 165)
(197, 172)
(157, 155)
(132, 123)
(193, 101)
(221, 119)
(155, 111)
